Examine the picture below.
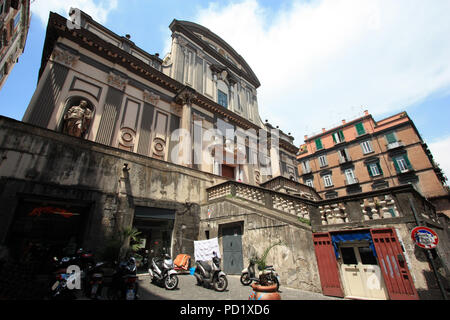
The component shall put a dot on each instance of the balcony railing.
(352, 181)
(395, 145)
(343, 160)
(270, 199)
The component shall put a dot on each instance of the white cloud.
(323, 61)
(441, 154)
(98, 10)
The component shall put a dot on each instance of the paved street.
(188, 290)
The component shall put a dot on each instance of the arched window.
(77, 117)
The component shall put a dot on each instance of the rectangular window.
(348, 256)
(343, 156)
(319, 144)
(402, 164)
(350, 176)
(309, 183)
(323, 161)
(367, 147)
(360, 129)
(306, 167)
(391, 138)
(327, 180)
(338, 137)
(222, 98)
(374, 169)
(17, 20)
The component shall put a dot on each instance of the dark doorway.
(43, 229)
(156, 227)
(227, 171)
(232, 248)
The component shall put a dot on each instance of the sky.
(318, 61)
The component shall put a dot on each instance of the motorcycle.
(207, 274)
(94, 281)
(248, 275)
(162, 271)
(60, 289)
(124, 283)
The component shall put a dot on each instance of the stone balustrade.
(270, 199)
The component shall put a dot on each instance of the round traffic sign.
(424, 237)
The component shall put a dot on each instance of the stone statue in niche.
(77, 119)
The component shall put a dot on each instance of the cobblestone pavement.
(189, 290)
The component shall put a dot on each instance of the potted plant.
(266, 288)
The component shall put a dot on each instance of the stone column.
(184, 98)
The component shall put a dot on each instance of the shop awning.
(349, 237)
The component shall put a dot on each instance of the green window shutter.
(334, 138)
(360, 128)
(379, 168)
(341, 135)
(390, 137)
(319, 144)
(407, 162)
(396, 165)
(370, 170)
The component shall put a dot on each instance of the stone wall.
(47, 164)
(295, 261)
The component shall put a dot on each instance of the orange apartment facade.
(363, 155)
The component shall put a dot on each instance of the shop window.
(367, 256)
(348, 256)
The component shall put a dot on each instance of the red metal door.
(393, 265)
(327, 264)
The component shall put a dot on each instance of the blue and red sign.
(424, 237)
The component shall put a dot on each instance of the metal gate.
(232, 249)
(393, 265)
(327, 264)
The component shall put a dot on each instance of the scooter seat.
(205, 265)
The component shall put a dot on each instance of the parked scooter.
(162, 272)
(248, 275)
(124, 283)
(207, 274)
(94, 281)
(60, 289)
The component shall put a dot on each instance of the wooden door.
(393, 265)
(327, 265)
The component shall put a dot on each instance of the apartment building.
(14, 25)
(363, 155)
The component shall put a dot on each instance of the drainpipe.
(428, 254)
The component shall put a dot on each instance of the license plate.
(55, 285)
(130, 295)
(94, 289)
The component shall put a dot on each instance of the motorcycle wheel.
(171, 282)
(221, 284)
(245, 279)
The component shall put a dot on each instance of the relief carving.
(127, 139)
(64, 57)
(117, 81)
(151, 98)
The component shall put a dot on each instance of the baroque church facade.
(116, 137)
